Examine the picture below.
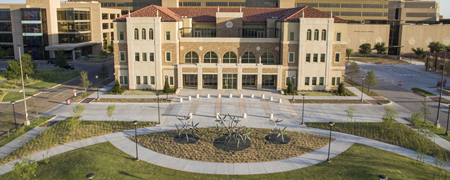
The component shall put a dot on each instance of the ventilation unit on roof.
(274, 17)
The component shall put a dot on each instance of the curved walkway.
(121, 141)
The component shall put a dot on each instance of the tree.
(365, 49)
(104, 54)
(28, 65)
(348, 53)
(436, 47)
(380, 47)
(341, 89)
(61, 58)
(290, 88)
(166, 87)
(350, 113)
(110, 48)
(117, 89)
(85, 83)
(13, 70)
(370, 80)
(354, 71)
(24, 169)
(7, 120)
(420, 52)
(425, 109)
(390, 114)
(103, 73)
(110, 111)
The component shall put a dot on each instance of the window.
(321, 81)
(316, 34)
(136, 34)
(138, 79)
(121, 36)
(112, 16)
(122, 56)
(168, 54)
(291, 57)
(150, 34)
(152, 80)
(291, 36)
(105, 25)
(332, 81)
(337, 57)
(104, 16)
(191, 57)
(112, 37)
(210, 57)
(322, 57)
(338, 80)
(308, 35)
(167, 35)
(267, 58)
(111, 25)
(145, 79)
(307, 81)
(144, 34)
(144, 56)
(151, 57)
(123, 79)
(171, 80)
(229, 57)
(136, 56)
(314, 81)
(338, 37)
(308, 57)
(316, 57)
(287, 80)
(324, 35)
(248, 57)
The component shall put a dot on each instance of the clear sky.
(445, 5)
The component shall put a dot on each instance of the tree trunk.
(8, 133)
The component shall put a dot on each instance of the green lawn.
(316, 93)
(141, 92)
(3, 92)
(52, 78)
(99, 57)
(108, 162)
(353, 83)
(12, 135)
(366, 91)
(423, 92)
(430, 126)
(14, 96)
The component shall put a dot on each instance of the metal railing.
(230, 32)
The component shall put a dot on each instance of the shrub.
(117, 89)
(341, 89)
(166, 87)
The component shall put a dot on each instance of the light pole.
(167, 93)
(303, 108)
(135, 135)
(362, 90)
(159, 114)
(442, 87)
(14, 110)
(293, 93)
(26, 123)
(329, 144)
(96, 78)
(448, 116)
(90, 176)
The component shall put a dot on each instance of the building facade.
(41, 27)
(229, 48)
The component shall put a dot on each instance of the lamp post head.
(13, 102)
(303, 95)
(96, 77)
(363, 78)
(90, 176)
(331, 123)
(135, 122)
(382, 177)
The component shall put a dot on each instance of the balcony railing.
(198, 32)
(228, 32)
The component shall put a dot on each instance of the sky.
(445, 5)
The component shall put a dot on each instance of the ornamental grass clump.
(229, 127)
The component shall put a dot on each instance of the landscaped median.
(43, 79)
(4, 139)
(133, 100)
(423, 92)
(82, 96)
(15, 96)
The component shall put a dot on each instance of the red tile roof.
(441, 54)
(208, 14)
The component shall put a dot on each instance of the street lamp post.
(159, 114)
(442, 87)
(90, 176)
(303, 108)
(26, 123)
(293, 93)
(14, 110)
(329, 142)
(135, 136)
(448, 116)
(167, 93)
(96, 78)
(362, 90)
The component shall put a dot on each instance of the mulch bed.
(272, 138)
(328, 101)
(133, 100)
(223, 144)
(182, 139)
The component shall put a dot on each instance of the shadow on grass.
(128, 174)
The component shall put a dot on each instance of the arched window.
(210, 57)
(191, 57)
(144, 34)
(248, 57)
(308, 35)
(324, 35)
(229, 57)
(267, 58)
(136, 34)
(150, 34)
(316, 35)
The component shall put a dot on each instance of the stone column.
(239, 77)
(219, 77)
(259, 79)
(199, 78)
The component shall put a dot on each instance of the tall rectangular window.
(291, 36)
(168, 54)
(152, 80)
(167, 35)
(338, 37)
(321, 81)
(338, 80)
(316, 57)
(136, 56)
(291, 57)
(138, 79)
(125, 79)
(314, 81)
(151, 57)
(144, 56)
(145, 79)
(120, 79)
(121, 36)
(307, 81)
(111, 25)
(171, 80)
(322, 57)
(308, 57)
(287, 80)
(122, 56)
(337, 57)
(332, 81)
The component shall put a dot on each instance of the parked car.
(51, 60)
(68, 66)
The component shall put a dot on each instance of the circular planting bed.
(209, 148)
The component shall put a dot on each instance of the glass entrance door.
(210, 81)
(269, 81)
(190, 80)
(229, 81)
(249, 81)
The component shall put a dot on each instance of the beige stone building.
(230, 48)
(41, 27)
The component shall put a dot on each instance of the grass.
(353, 83)
(316, 93)
(392, 133)
(50, 78)
(14, 96)
(3, 92)
(377, 60)
(133, 100)
(4, 139)
(366, 91)
(68, 131)
(423, 92)
(108, 162)
(141, 92)
(82, 95)
(100, 57)
(328, 101)
(346, 93)
(430, 126)
(260, 150)
(384, 101)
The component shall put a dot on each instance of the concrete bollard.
(231, 95)
(241, 96)
(280, 100)
(208, 96)
(271, 98)
(253, 96)
(189, 98)
(197, 96)
(271, 116)
(262, 96)
(181, 99)
(219, 96)
(244, 115)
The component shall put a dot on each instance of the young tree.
(117, 89)
(390, 114)
(24, 169)
(110, 111)
(7, 120)
(348, 53)
(85, 83)
(111, 48)
(350, 113)
(370, 80)
(436, 47)
(166, 87)
(380, 47)
(354, 71)
(28, 65)
(425, 109)
(419, 52)
(290, 88)
(365, 49)
(103, 73)
(104, 54)
(341, 89)
(13, 70)
(61, 58)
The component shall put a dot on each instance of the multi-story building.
(41, 27)
(229, 48)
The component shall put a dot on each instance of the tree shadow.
(128, 174)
